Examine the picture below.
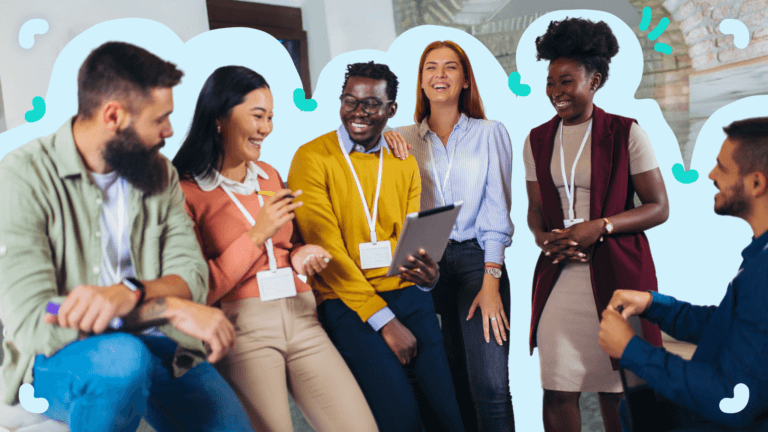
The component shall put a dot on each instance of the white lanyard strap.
(252, 221)
(117, 271)
(433, 163)
(570, 192)
(371, 217)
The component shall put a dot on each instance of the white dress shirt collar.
(247, 187)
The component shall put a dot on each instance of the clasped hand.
(615, 331)
(571, 243)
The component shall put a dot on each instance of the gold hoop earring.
(218, 128)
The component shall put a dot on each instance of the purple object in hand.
(52, 308)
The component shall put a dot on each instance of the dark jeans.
(395, 392)
(109, 382)
(479, 370)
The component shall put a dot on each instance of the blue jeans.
(479, 369)
(109, 382)
(397, 393)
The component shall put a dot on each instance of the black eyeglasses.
(370, 106)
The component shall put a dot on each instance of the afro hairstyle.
(591, 43)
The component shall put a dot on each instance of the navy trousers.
(397, 393)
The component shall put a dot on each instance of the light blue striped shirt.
(481, 176)
(385, 314)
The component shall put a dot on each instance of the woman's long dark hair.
(202, 151)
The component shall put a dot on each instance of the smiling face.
(363, 128)
(442, 77)
(246, 127)
(732, 200)
(569, 89)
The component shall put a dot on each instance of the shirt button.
(98, 234)
(3, 249)
(95, 270)
(99, 201)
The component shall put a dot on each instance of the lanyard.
(371, 217)
(433, 163)
(569, 193)
(252, 221)
(116, 271)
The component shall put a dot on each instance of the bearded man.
(732, 338)
(102, 275)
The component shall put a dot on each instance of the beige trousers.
(281, 347)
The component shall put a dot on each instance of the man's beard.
(145, 169)
(734, 203)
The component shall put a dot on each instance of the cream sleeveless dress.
(570, 358)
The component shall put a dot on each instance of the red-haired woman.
(464, 157)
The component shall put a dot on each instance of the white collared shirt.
(248, 186)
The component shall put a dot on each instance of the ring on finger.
(493, 318)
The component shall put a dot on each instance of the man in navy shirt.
(732, 338)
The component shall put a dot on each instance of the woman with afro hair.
(582, 171)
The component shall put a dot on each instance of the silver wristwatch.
(493, 271)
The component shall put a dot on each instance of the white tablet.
(429, 230)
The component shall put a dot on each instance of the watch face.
(609, 228)
(493, 272)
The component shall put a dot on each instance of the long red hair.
(469, 99)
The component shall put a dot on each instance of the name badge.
(276, 284)
(570, 222)
(375, 255)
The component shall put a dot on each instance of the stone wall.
(700, 20)
(665, 77)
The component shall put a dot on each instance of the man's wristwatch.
(493, 271)
(137, 287)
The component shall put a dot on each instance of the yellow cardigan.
(333, 216)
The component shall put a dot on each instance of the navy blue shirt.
(732, 343)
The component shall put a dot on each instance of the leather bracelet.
(493, 265)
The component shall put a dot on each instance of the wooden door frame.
(279, 21)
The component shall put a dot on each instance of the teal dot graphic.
(302, 103)
(516, 87)
(683, 176)
(38, 110)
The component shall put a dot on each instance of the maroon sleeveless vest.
(622, 261)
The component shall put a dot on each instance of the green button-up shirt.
(49, 244)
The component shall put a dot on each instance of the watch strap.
(136, 286)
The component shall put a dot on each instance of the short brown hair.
(119, 70)
(751, 136)
(469, 99)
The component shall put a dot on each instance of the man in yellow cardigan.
(385, 327)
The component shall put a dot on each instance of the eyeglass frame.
(359, 101)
